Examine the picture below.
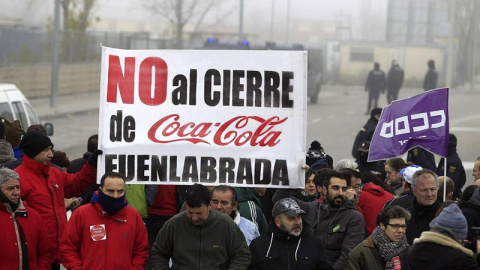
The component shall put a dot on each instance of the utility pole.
(449, 79)
(474, 49)
(55, 49)
(240, 24)
(271, 20)
(287, 28)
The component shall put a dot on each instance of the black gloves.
(93, 159)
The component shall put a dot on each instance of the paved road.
(334, 121)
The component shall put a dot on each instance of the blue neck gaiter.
(109, 204)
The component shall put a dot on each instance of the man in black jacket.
(425, 189)
(394, 81)
(455, 168)
(374, 85)
(288, 243)
(366, 133)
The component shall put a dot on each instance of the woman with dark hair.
(394, 179)
(386, 248)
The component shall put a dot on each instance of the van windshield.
(5, 111)
(18, 110)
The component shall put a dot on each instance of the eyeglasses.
(398, 226)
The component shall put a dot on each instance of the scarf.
(388, 250)
(109, 204)
(307, 197)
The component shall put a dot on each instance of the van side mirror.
(49, 128)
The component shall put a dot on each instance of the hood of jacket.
(441, 239)
(284, 236)
(373, 189)
(247, 194)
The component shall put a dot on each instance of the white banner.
(198, 116)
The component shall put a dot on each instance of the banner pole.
(444, 179)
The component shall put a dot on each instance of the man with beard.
(335, 220)
(106, 233)
(288, 243)
(225, 200)
(200, 238)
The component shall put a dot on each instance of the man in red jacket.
(107, 233)
(20, 225)
(44, 188)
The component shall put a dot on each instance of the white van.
(15, 106)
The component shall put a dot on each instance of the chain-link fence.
(25, 58)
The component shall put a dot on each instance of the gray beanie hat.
(453, 219)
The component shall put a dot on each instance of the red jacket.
(44, 189)
(40, 252)
(372, 199)
(96, 240)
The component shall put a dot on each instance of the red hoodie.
(372, 199)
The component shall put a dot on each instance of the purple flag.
(421, 120)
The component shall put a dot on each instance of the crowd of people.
(352, 214)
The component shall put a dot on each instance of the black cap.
(287, 206)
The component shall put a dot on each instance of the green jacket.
(136, 198)
(365, 256)
(216, 244)
(250, 207)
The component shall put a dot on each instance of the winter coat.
(6, 152)
(437, 251)
(44, 189)
(372, 199)
(455, 171)
(40, 251)
(430, 80)
(375, 81)
(366, 256)
(405, 200)
(279, 250)
(218, 243)
(341, 228)
(395, 78)
(471, 211)
(136, 198)
(422, 158)
(250, 207)
(420, 219)
(97, 240)
(365, 134)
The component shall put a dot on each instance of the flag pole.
(444, 178)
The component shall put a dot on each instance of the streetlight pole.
(287, 29)
(271, 19)
(240, 26)
(55, 49)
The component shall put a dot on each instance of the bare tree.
(179, 13)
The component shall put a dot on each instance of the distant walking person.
(430, 81)
(394, 81)
(375, 83)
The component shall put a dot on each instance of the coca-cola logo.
(239, 130)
